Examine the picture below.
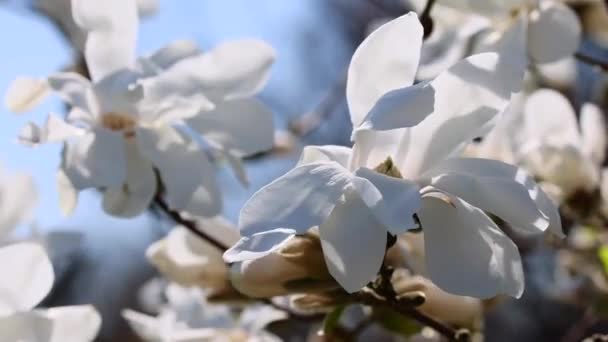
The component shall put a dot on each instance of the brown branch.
(425, 18)
(189, 224)
(593, 61)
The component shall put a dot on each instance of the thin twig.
(189, 224)
(592, 61)
(425, 18)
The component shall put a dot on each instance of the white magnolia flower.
(121, 127)
(189, 318)
(190, 261)
(28, 278)
(420, 128)
(546, 30)
(556, 150)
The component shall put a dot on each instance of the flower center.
(119, 123)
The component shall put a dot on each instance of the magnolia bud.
(296, 267)
(188, 260)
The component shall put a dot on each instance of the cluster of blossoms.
(414, 200)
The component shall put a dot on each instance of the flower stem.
(189, 224)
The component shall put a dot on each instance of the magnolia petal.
(466, 253)
(237, 165)
(68, 194)
(244, 126)
(353, 243)
(73, 89)
(97, 159)
(486, 168)
(55, 130)
(139, 189)
(120, 93)
(504, 198)
(513, 55)
(386, 60)
(112, 34)
(593, 129)
(371, 148)
(326, 153)
(258, 245)
(31, 277)
(554, 32)
(456, 120)
(26, 326)
(187, 174)
(174, 52)
(550, 119)
(25, 93)
(491, 8)
(400, 108)
(392, 200)
(21, 198)
(73, 323)
(298, 200)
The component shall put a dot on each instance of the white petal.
(25, 93)
(400, 108)
(21, 198)
(339, 154)
(466, 253)
(490, 8)
(504, 198)
(68, 194)
(353, 242)
(593, 129)
(392, 200)
(136, 194)
(298, 200)
(234, 69)
(174, 52)
(513, 54)
(468, 97)
(554, 32)
(29, 277)
(386, 60)
(97, 159)
(55, 129)
(258, 245)
(371, 148)
(112, 34)
(73, 323)
(185, 170)
(237, 165)
(73, 89)
(486, 168)
(119, 92)
(243, 125)
(550, 119)
(25, 326)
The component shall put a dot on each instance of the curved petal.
(244, 126)
(371, 148)
(96, 159)
(22, 197)
(386, 60)
(486, 168)
(400, 108)
(466, 253)
(504, 198)
(550, 119)
(491, 8)
(73, 89)
(468, 97)
(593, 129)
(55, 130)
(353, 243)
(258, 245)
(554, 32)
(298, 200)
(392, 200)
(185, 170)
(26, 326)
(326, 153)
(73, 323)
(136, 194)
(68, 194)
(174, 52)
(112, 34)
(31, 277)
(25, 93)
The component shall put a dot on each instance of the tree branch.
(425, 18)
(593, 61)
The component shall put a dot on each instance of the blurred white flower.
(190, 261)
(28, 278)
(545, 30)
(187, 317)
(555, 149)
(356, 206)
(122, 125)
